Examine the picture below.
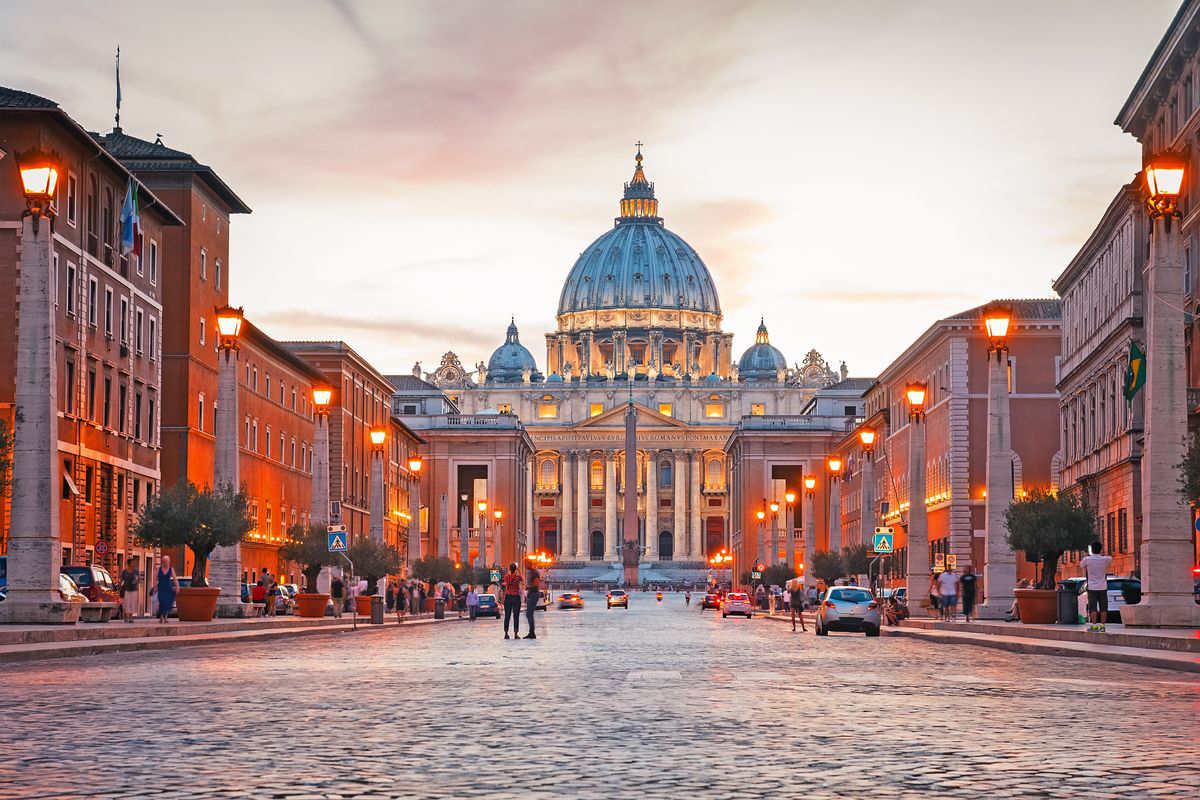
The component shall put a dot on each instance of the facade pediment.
(647, 418)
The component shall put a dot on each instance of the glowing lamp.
(39, 178)
(810, 482)
(229, 325)
(498, 514)
(378, 437)
(482, 506)
(835, 464)
(789, 496)
(760, 514)
(415, 463)
(867, 437)
(916, 396)
(1164, 181)
(322, 396)
(997, 318)
(774, 507)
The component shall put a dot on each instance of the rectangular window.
(247, 439)
(72, 195)
(757, 409)
(150, 437)
(595, 409)
(137, 332)
(137, 494)
(69, 387)
(153, 337)
(124, 320)
(268, 441)
(137, 415)
(71, 276)
(54, 278)
(547, 410)
(120, 491)
(122, 399)
(254, 436)
(89, 475)
(108, 311)
(153, 262)
(141, 258)
(1122, 531)
(93, 302)
(267, 384)
(714, 410)
(203, 327)
(1110, 533)
(200, 412)
(665, 409)
(254, 380)
(293, 452)
(203, 263)
(217, 275)
(282, 446)
(91, 394)
(107, 400)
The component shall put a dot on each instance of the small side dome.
(512, 363)
(762, 361)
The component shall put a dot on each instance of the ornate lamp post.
(789, 525)
(999, 561)
(918, 524)
(378, 441)
(225, 564)
(414, 507)
(810, 526)
(761, 515)
(1166, 551)
(34, 539)
(319, 509)
(464, 528)
(773, 556)
(482, 506)
(834, 464)
(866, 437)
(493, 554)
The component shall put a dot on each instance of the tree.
(433, 569)
(374, 560)
(1045, 525)
(309, 547)
(1189, 471)
(200, 520)
(6, 449)
(778, 575)
(827, 566)
(856, 559)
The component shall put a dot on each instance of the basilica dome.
(762, 361)
(511, 361)
(639, 264)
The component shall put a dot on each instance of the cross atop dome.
(638, 203)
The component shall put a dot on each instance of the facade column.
(1166, 552)
(464, 532)
(835, 514)
(610, 506)
(999, 561)
(225, 563)
(34, 545)
(697, 526)
(866, 512)
(375, 524)
(810, 536)
(651, 498)
(918, 522)
(581, 506)
(680, 506)
(530, 544)
(566, 523)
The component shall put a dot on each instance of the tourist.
(760, 597)
(934, 594)
(512, 600)
(967, 584)
(1014, 611)
(130, 580)
(1095, 568)
(947, 586)
(389, 597)
(401, 601)
(687, 598)
(472, 602)
(796, 604)
(533, 591)
(165, 588)
(336, 591)
(268, 586)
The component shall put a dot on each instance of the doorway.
(596, 552)
(666, 546)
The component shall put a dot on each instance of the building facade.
(107, 326)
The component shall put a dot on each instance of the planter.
(311, 605)
(196, 603)
(1037, 606)
(362, 605)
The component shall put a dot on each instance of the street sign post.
(939, 562)
(335, 510)
(337, 538)
(495, 576)
(755, 575)
(884, 539)
(951, 561)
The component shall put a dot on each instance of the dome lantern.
(638, 203)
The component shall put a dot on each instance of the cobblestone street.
(654, 702)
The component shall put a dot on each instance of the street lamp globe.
(415, 463)
(321, 397)
(915, 392)
(39, 180)
(835, 464)
(997, 318)
(1164, 182)
(378, 437)
(760, 514)
(867, 437)
(229, 326)
(498, 514)
(774, 507)
(789, 496)
(810, 482)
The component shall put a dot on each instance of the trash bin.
(439, 609)
(1068, 604)
(376, 610)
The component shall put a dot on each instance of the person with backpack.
(512, 600)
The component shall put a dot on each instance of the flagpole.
(117, 117)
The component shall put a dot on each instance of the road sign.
(101, 547)
(755, 575)
(939, 562)
(337, 541)
(883, 539)
(951, 561)
(495, 576)
(760, 567)
(1197, 524)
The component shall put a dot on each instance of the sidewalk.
(34, 642)
(1167, 649)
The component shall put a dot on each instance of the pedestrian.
(1095, 567)
(1014, 610)
(269, 587)
(760, 597)
(472, 602)
(401, 601)
(933, 594)
(130, 580)
(165, 588)
(812, 597)
(967, 586)
(389, 597)
(512, 600)
(797, 607)
(336, 591)
(687, 598)
(422, 597)
(947, 584)
(532, 593)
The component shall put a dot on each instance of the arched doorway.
(597, 549)
(666, 546)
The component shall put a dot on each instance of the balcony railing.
(794, 422)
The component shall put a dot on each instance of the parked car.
(618, 597)
(94, 582)
(543, 600)
(737, 603)
(570, 600)
(488, 607)
(711, 600)
(285, 602)
(1122, 591)
(848, 608)
(246, 590)
(3, 576)
(68, 591)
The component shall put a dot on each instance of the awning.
(70, 483)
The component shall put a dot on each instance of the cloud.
(319, 325)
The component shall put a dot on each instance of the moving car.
(94, 582)
(618, 597)
(848, 608)
(711, 600)
(737, 603)
(570, 600)
(488, 607)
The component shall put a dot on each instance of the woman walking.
(472, 602)
(131, 579)
(533, 591)
(797, 606)
(165, 588)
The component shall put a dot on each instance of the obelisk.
(630, 548)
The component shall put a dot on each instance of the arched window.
(547, 479)
(597, 471)
(664, 475)
(714, 476)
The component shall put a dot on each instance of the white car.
(737, 603)
(1118, 588)
(848, 608)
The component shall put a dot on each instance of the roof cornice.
(1136, 110)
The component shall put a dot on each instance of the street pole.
(867, 507)
(33, 545)
(810, 535)
(835, 512)
(225, 563)
(773, 556)
(375, 529)
(999, 560)
(789, 522)
(917, 577)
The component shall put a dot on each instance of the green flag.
(1135, 373)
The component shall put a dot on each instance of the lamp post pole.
(810, 529)
(34, 544)
(773, 556)
(319, 508)
(789, 524)
(866, 437)
(225, 564)
(835, 503)
(483, 526)
(917, 573)
(999, 561)
(415, 463)
(1166, 551)
(761, 514)
(375, 527)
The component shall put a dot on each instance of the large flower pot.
(196, 603)
(1037, 606)
(362, 604)
(311, 605)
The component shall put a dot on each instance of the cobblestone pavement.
(654, 702)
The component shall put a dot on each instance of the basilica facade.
(639, 320)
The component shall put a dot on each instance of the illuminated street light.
(997, 318)
(415, 463)
(1164, 183)
(867, 437)
(378, 437)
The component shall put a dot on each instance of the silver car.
(848, 608)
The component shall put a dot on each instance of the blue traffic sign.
(882, 542)
(1198, 524)
(337, 541)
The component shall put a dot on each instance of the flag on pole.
(1135, 373)
(131, 240)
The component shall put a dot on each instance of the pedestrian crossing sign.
(884, 539)
(337, 539)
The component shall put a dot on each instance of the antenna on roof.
(117, 117)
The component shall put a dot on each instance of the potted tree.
(202, 521)
(432, 570)
(827, 566)
(373, 560)
(1045, 525)
(309, 547)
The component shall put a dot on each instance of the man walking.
(967, 584)
(336, 590)
(1095, 567)
(532, 594)
(130, 580)
(512, 600)
(947, 587)
(269, 587)
(472, 602)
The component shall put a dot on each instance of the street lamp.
(866, 437)
(225, 568)
(810, 523)
(322, 396)
(917, 570)
(229, 326)
(915, 392)
(493, 556)
(378, 438)
(834, 464)
(482, 507)
(1164, 183)
(415, 463)
(789, 526)
(761, 515)
(999, 561)
(39, 182)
